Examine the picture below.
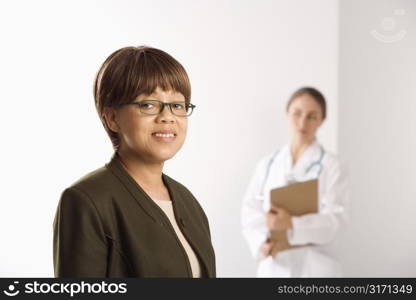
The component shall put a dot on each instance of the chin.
(164, 155)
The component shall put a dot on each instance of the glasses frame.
(162, 107)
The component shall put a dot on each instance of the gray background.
(244, 59)
(377, 133)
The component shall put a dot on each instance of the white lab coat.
(319, 229)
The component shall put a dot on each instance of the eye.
(178, 106)
(146, 105)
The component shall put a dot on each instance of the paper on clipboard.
(298, 199)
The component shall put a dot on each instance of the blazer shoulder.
(96, 184)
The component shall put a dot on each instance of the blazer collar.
(141, 197)
(150, 207)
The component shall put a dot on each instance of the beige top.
(166, 206)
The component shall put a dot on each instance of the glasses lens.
(149, 107)
(153, 107)
(181, 109)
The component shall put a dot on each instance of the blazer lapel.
(184, 222)
(152, 209)
(142, 199)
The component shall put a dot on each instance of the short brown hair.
(314, 93)
(133, 71)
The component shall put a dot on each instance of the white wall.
(377, 134)
(244, 59)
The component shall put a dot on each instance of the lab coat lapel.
(310, 155)
(286, 161)
(276, 176)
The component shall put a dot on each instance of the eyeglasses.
(155, 107)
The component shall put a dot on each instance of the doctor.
(302, 159)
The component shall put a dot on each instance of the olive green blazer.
(107, 226)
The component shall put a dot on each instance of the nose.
(302, 123)
(166, 115)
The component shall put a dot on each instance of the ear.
(110, 118)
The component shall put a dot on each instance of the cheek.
(314, 126)
(183, 125)
(182, 128)
(133, 128)
(292, 122)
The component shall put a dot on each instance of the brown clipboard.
(298, 199)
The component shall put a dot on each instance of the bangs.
(134, 71)
(152, 71)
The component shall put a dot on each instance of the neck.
(297, 147)
(147, 174)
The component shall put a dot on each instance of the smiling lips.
(165, 135)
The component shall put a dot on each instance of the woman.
(129, 219)
(301, 160)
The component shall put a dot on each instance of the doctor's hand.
(278, 218)
(266, 248)
(271, 248)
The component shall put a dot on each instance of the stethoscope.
(290, 178)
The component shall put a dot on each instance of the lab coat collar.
(311, 153)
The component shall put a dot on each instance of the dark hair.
(133, 71)
(314, 93)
